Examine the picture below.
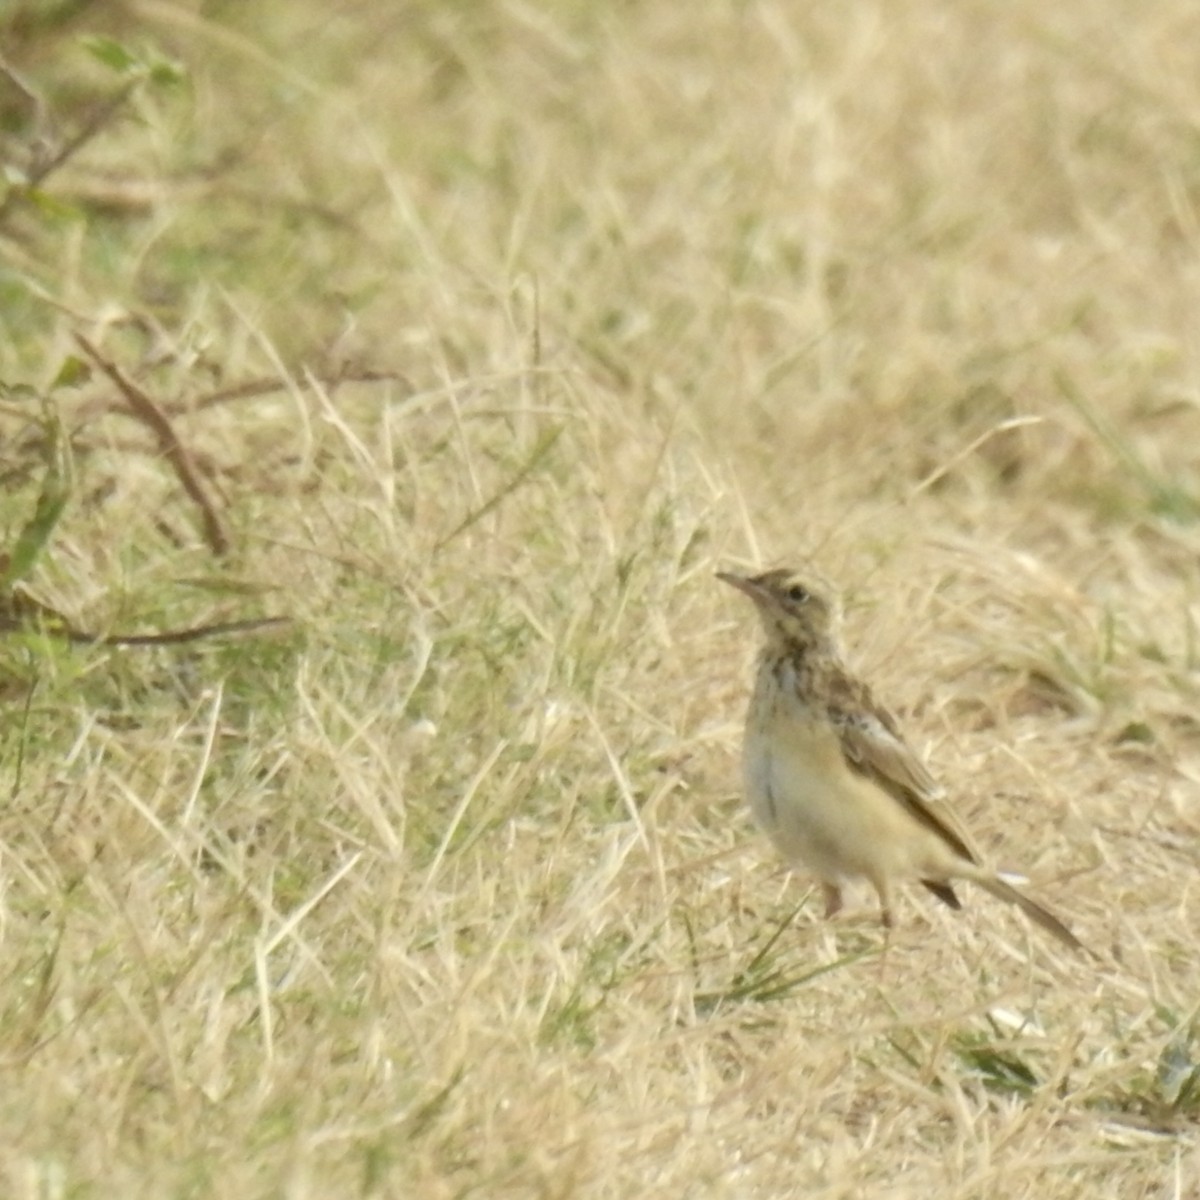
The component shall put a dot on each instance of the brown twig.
(254, 388)
(172, 448)
(176, 637)
(250, 389)
(19, 610)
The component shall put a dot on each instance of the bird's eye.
(797, 594)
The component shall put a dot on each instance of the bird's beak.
(744, 583)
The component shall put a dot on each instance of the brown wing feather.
(874, 746)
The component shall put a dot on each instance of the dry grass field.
(473, 338)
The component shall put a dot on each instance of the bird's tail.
(1031, 908)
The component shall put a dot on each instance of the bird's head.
(794, 608)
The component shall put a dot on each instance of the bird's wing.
(873, 746)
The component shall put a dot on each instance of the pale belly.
(822, 815)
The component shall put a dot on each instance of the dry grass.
(450, 891)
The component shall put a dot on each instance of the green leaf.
(146, 63)
(112, 54)
(51, 206)
(1002, 1070)
(72, 371)
(166, 72)
(51, 501)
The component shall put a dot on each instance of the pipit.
(829, 776)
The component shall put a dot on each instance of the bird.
(828, 775)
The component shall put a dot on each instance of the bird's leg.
(833, 899)
(883, 888)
